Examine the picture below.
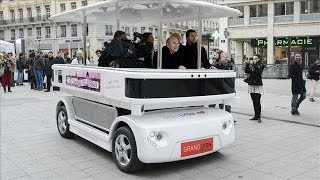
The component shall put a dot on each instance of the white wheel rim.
(123, 150)
(62, 122)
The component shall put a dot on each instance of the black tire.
(63, 127)
(134, 163)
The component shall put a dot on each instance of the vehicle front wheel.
(124, 150)
(62, 123)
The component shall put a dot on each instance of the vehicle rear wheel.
(62, 123)
(124, 151)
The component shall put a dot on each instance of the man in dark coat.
(298, 84)
(48, 69)
(224, 64)
(171, 57)
(191, 52)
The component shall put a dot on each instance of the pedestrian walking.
(254, 69)
(313, 75)
(298, 84)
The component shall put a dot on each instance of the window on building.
(156, 32)
(74, 30)
(47, 10)
(29, 12)
(285, 8)
(260, 10)
(127, 30)
(13, 34)
(84, 3)
(21, 33)
(240, 8)
(38, 29)
(12, 15)
(73, 5)
(310, 6)
(48, 32)
(134, 29)
(1, 15)
(143, 29)
(38, 11)
(2, 34)
(63, 31)
(29, 31)
(62, 7)
(20, 14)
(109, 30)
(151, 30)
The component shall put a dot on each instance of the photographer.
(255, 68)
(121, 51)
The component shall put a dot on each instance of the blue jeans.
(19, 78)
(295, 101)
(39, 79)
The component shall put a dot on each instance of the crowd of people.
(123, 53)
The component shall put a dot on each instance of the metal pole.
(208, 48)
(84, 36)
(159, 59)
(289, 54)
(199, 38)
(118, 16)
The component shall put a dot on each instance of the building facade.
(28, 20)
(276, 29)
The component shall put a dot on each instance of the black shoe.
(47, 91)
(295, 112)
(259, 120)
(4, 91)
(254, 119)
(9, 91)
(312, 100)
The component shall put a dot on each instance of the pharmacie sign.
(299, 41)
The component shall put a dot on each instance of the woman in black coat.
(255, 68)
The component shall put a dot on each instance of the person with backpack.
(313, 75)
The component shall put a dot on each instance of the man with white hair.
(171, 57)
(79, 58)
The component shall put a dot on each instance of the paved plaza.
(281, 147)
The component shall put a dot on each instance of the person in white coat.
(79, 58)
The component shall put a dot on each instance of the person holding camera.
(121, 51)
(254, 69)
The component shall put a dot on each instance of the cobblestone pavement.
(31, 147)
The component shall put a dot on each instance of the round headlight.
(159, 136)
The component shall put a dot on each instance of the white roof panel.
(133, 12)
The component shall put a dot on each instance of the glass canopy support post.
(199, 38)
(84, 38)
(160, 35)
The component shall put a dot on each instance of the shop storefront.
(308, 47)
